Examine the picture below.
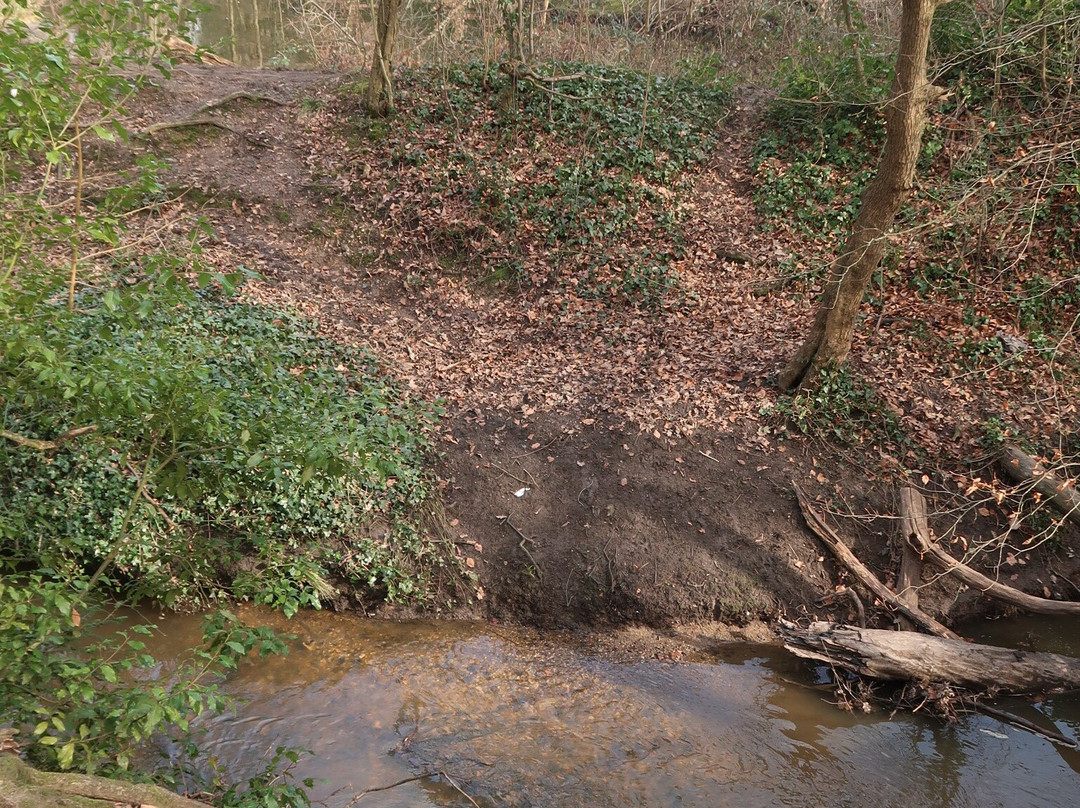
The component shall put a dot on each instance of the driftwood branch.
(47, 445)
(1023, 723)
(1024, 468)
(863, 574)
(907, 656)
(912, 521)
(239, 94)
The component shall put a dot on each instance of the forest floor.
(620, 473)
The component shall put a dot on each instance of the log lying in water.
(1024, 468)
(907, 656)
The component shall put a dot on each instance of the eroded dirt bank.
(627, 477)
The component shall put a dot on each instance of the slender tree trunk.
(380, 99)
(829, 342)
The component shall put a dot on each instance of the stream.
(515, 718)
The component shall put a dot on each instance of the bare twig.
(505, 520)
(513, 476)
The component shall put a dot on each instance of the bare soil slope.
(600, 480)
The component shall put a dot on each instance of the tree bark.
(829, 342)
(1024, 468)
(380, 97)
(22, 786)
(907, 656)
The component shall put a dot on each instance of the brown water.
(516, 719)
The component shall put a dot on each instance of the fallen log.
(1024, 468)
(912, 520)
(931, 552)
(22, 786)
(907, 656)
(863, 574)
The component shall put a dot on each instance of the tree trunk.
(24, 787)
(907, 656)
(829, 342)
(380, 98)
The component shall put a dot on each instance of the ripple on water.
(520, 721)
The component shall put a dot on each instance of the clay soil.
(581, 485)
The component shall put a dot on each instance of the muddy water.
(516, 719)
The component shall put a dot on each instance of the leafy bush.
(226, 432)
(89, 697)
(218, 444)
(839, 406)
(274, 787)
(235, 451)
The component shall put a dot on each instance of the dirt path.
(599, 481)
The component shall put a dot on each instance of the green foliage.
(73, 63)
(272, 448)
(1011, 76)
(994, 434)
(824, 135)
(232, 444)
(89, 697)
(1024, 48)
(1046, 306)
(839, 406)
(274, 787)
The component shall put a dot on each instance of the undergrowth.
(237, 453)
(575, 188)
(841, 407)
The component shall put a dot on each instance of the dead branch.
(912, 520)
(920, 541)
(1024, 468)
(865, 577)
(1023, 723)
(235, 97)
(47, 445)
(204, 120)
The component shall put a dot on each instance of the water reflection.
(253, 33)
(520, 721)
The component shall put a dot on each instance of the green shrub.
(839, 406)
(88, 697)
(226, 432)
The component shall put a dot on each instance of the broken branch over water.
(907, 656)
